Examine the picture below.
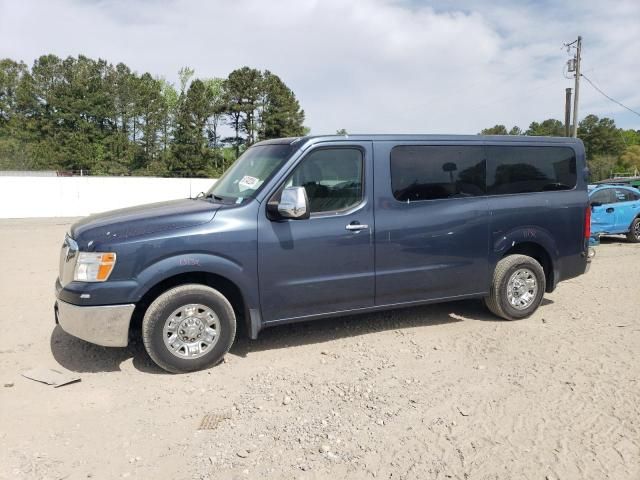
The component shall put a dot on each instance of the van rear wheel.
(188, 328)
(517, 288)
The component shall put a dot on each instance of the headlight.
(94, 267)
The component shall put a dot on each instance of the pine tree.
(281, 115)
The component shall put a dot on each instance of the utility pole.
(567, 113)
(577, 87)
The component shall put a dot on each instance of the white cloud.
(368, 66)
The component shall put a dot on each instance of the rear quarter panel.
(554, 220)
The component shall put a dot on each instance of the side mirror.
(294, 203)
(596, 204)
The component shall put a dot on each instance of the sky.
(369, 66)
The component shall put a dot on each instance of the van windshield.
(249, 173)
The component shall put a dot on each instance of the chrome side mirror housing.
(294, 203)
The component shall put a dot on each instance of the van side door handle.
(356, 226)
(610, 210)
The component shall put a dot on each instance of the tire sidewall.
(632, 233)
(156, 318)
(506, 307)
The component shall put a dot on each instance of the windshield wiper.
(215, 197)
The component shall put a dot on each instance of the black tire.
(634, 232)
(161, 309)
(497, 300)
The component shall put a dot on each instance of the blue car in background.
(615, 209)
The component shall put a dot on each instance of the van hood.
(133, 222)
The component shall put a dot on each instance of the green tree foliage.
(495, 130)
(243, 90)
(85, 114)
(190, 155)
(602, 166)
(630, 159)
(501, 130)
(281, 114)
(548, 128)
(600, 136)
(216, 98)
(631, 137)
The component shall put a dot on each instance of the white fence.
(22, 197)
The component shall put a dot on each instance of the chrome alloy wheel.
(636, 230)
(522, 288)
(191, 331)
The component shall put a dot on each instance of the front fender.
(197, 263)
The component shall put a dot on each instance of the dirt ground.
(437, 392)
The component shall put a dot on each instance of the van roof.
(421, 138)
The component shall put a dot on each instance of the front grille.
(68, 258)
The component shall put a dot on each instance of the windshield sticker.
(248, 182)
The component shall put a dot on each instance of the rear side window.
(435, 172)
(516, 169)
(624, 195)
(603, 196)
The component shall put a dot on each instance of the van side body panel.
(429, 249)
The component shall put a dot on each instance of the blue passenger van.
(307, 228)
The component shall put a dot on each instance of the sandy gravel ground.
(434, 392)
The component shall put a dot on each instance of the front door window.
(332, 178)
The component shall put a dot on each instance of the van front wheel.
(517, 289)
(188, 328)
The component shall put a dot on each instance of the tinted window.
(515, 169)
(432, 172)
(332, 178)
(623, 195)
(603, 196)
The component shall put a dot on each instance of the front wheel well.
(540, 254)
(226, 287)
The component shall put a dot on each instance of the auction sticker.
(248, 182)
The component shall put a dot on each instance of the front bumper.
(106, 325)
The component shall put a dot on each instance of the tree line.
(84, 114)
(610, 150)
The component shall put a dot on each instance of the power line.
(607, 96)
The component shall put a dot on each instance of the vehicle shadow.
(326, 330)
(79, 356)
(608, 239)
(83, 357)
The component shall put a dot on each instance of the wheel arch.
(541, 255)
(226, 287)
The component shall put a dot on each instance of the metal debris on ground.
(50, 376)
